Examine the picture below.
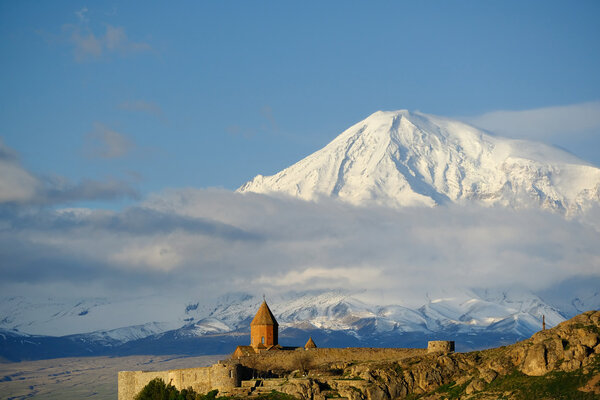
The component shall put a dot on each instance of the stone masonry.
(223, 376)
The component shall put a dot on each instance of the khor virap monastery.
(264, 331)
(265, 365)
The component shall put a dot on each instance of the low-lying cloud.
(217, 241)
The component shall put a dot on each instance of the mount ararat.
(402, 158)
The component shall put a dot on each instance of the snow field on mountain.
(403, 158)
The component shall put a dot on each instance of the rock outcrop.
(573, 347)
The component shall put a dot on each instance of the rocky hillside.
(559, 363)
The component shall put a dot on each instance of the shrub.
(156, 389)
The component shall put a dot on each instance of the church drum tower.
(264, 328)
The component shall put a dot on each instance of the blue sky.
(204, 94)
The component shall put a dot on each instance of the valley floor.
(82, 378)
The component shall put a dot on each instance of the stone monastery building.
(264, 332)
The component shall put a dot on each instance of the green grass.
(398, 369)
(449, 391)
(556, 385)
(452, 390)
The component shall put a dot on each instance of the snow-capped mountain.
(403, 158)
(462, 311)
(332, 311)
(129, 317)
(337, 318)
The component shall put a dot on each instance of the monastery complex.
(264, 365)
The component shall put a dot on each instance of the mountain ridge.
(477, 319)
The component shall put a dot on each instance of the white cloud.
(543, 124)
(320, 277)
(18, 186)
(160, 256)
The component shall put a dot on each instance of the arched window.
(262, 340)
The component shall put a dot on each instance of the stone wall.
(290, 360)
(222, 376)
(444, 346)
(227, 375)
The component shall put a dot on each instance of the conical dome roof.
(310, 344)
(264, 316)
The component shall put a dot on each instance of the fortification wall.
(311, 358)
(221, 376)
(227, 375)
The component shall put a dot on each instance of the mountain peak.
(387, 114)
(402, 158)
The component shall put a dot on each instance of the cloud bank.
(192, 241)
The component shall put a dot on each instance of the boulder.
(535, 363)
(587, 338)
(475, 385)
(488, 375)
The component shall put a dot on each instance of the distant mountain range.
(402, 158)
(475, 319)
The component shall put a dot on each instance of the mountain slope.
(461, 311)
(403, 158)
